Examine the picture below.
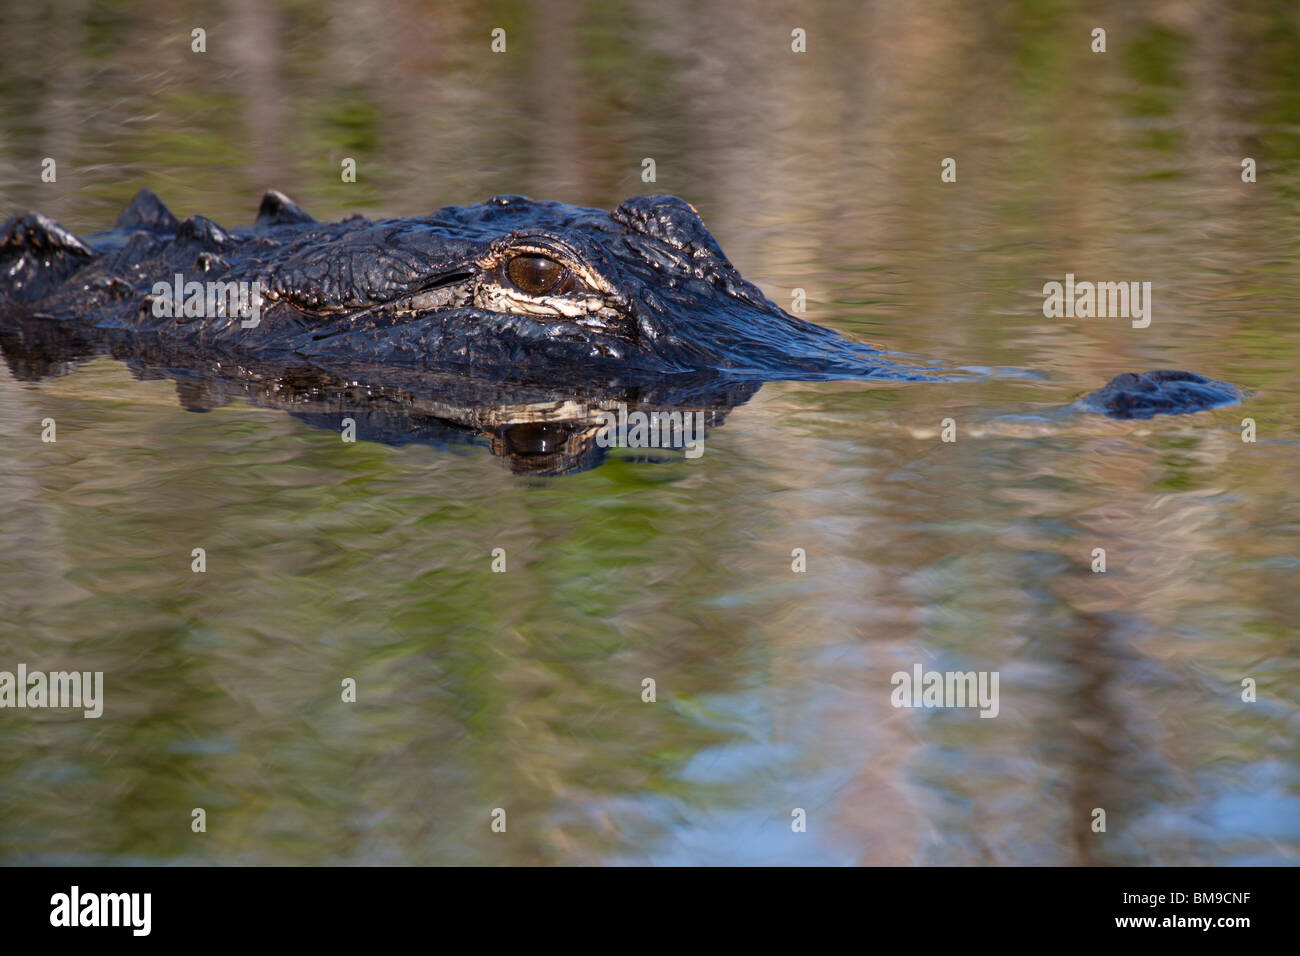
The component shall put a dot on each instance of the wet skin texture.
(1161, 392)
(512, 289)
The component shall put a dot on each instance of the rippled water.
(522, 690)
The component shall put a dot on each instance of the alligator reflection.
(538, 428)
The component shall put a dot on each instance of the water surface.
(522, 690)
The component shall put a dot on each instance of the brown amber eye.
(538, 275)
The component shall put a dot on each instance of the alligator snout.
(1159, 392)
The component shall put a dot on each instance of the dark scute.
(671, 220)
(1160, 392)
(34, 232)
(205, 233)
(146, 211)
(277, 209)
(36, 256)
(675, 223)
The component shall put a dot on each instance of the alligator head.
(518, 283)
(525, 287)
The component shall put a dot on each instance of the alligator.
(512, 291)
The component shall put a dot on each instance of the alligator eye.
(538, 275)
